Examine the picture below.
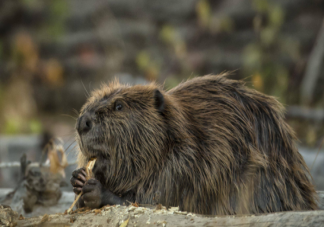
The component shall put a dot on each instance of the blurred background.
(52, 53)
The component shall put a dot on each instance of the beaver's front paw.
(92, 193)
(78, 179)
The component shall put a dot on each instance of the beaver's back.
(244, 132)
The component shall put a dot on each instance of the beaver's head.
(123, 127)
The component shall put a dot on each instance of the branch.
(305, 113)
(313, 69)
(33, 164)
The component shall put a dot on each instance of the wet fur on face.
(125, 141)
(210, 146)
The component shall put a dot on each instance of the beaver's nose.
(85, 124)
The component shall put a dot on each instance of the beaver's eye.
(118, 106)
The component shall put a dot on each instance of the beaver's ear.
(158, 100)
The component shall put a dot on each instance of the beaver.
(210, 146)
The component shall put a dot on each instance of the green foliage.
(173, 39)
(210, 22)
(33, 4)
(1, 49)
(253, 56)
(59, 7)
(260, 58)
(54, 24)
(11, 126)
(35, 126)
(226, 24)
(268, 36)
(25, 62)
(15, 126)
(171, 82)
(276, 16)
(261, 6)
(1, 95)
(146, 63)
(290, 47)
(143, 60)
(168, 34)
(58, 13)
(203, 13)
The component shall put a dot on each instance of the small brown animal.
(209, 146)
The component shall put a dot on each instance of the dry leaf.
(125, 223)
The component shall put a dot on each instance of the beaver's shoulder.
(207, 81)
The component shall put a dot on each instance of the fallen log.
(133, 215)
(139, 216)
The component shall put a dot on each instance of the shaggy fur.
(210, 146)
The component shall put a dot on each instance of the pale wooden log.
(141, 216)
(116, 216)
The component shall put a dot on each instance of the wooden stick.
(89, 168)
(73, 204)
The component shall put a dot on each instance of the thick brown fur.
(210, 145)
